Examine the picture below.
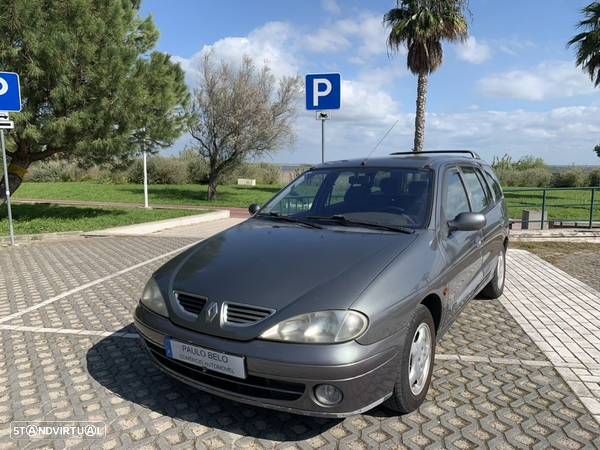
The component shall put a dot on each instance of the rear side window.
(478, 196)
(494, 185)
(456, 201)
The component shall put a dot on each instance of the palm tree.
(588, 42)
(422, 25)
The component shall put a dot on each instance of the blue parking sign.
(10, 92)
(323, 91)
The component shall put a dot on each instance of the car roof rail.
(473, 154)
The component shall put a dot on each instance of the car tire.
(410, 391)
(495, 287)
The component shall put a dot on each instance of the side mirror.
(467, 221)
(253, 208)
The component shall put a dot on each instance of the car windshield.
(393, 197)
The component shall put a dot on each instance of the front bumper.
(281, 375)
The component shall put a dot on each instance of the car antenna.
(380, 141)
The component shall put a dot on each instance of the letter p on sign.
(323, 91)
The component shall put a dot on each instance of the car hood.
(285, 268)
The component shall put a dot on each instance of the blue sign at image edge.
(323, 100)
(10, 101)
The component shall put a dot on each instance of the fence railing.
(555, 207)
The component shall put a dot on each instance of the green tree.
(587, 42)
(93, 90)
(240, 112)
(597, 150)
(421, 26)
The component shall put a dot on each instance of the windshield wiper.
(343, 220)
(277, 216)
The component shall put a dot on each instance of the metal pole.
(592, 207)
(11, 231)
(543, 209)
(145, 180)
(322, 140)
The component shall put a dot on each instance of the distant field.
(561, 205)
(34, 219)
(188, 194)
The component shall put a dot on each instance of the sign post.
(10, 101)
(145, 179)
(323, 92)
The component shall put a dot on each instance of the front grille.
(236, 314)
(191, 303)
(251, 386)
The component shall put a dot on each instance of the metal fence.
(554, 207)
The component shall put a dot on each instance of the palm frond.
(587, 42)
(422, 25)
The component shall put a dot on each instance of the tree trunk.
(420, 117)
(212, 188)
(16, 171)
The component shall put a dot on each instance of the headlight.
(153, 300)
(323, 327)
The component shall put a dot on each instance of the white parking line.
(91, 283)
(71, 331)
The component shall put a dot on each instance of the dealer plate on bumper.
(206, 358)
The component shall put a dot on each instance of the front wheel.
(416, 365)
(495, 287)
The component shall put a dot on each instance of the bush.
(54, 170)
(595, 178)
(161, 170)
(269, 174)
(528, 171)
(196, 167)
(533, 177)
(571, 178)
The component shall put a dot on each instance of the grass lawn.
(561, 205)
(187, 194)
(34, 219)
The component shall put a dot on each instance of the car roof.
(418, 161)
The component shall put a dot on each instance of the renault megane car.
(329, 300)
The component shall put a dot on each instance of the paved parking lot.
(501, 380)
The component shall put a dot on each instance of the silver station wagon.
(330, 299)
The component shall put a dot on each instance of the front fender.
(391, 298)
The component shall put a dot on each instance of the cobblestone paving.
(580, 260)
(33, 272)
(492, 387)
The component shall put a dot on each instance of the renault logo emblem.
(212, 311)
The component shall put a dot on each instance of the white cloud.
(331, 6)
(269, 44)
(365, 34)
(560, 135)
(384, 76)
(549, 80)
(513, 46)
(326, 40)
(473, 51)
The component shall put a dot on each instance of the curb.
(23, 238)
(159, 225)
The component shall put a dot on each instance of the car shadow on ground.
(123, 367)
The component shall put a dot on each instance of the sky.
(511, 88)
